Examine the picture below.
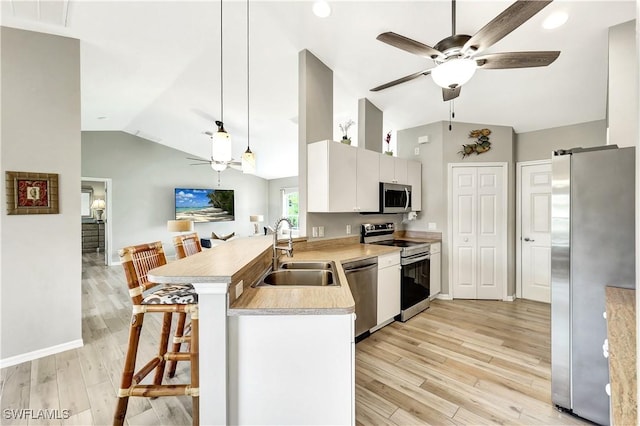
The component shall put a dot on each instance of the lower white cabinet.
(435, 277)
(388, 288)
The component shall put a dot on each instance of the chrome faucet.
(288, 247)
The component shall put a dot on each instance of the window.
(290, 205)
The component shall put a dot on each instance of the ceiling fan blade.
(401, 80)
(198, 159)
(408, 45)
(516, 59)
(200, 164)
(510, 19)
(448, 94)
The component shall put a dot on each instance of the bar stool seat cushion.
(179, 294)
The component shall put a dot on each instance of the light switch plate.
(320, 231)
(348, 229)
(432, 226)
(314, 231)
(239, 288)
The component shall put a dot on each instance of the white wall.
(40, 276)
(144, 176)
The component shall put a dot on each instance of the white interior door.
(535, 241)
(478, 231)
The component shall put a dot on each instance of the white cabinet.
(414, 177)
(288, 369)
(393, 169)
(388, 288)
(435, 277)
(341, 178)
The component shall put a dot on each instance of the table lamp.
(179, 225)
(255, 219)
(98, 205)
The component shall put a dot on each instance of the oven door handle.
(410, 260)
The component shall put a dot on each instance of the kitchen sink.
(301, 274)
(306, 265)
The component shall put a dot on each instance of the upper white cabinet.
(414, 177)
(342, 178)
(393, 169)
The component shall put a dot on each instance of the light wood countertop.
(309, 300)
(621, 332)
(222, 263)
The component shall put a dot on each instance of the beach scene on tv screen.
(204, 205)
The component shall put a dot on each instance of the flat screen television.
(204, 205)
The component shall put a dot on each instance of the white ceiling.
(152, 68)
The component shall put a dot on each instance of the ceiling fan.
(215, 164)
(455, 56)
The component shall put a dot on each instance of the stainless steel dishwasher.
(362, 276)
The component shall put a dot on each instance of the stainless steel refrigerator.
(592, 246)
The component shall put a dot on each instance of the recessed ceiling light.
(555, 20)
(321, 8)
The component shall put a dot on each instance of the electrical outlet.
(348, 229)
(320, 231)
(416, 151)
(314, 231)
(239, 288)
(432, 226)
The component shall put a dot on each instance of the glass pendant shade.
(221, 145)
(454, 72)
(248, 162)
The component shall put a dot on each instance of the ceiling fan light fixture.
(454, 72)
(218, 166)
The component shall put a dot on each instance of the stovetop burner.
(382, 234)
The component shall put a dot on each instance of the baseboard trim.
(40, 353)
(443, 296)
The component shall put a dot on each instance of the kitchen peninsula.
(272, 355)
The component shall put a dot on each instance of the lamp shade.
(98, 204)
(256, 218)
(179, 225)
(454, 72)
(221, 144)
(248, 162)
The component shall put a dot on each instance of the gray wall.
(369, 125)
(539, 145)
(623, 85)
(435, 156)
(144, 176)
(40, 259)
(315, 117)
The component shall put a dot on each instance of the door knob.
(529, 239)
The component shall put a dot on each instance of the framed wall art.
(32, 193)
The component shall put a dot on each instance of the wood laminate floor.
(459, 362)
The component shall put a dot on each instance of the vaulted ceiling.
(152, 68)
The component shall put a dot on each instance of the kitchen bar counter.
(309, 300)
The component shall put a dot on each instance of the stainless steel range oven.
(415, 263)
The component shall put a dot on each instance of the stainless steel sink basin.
(299, 277)
(306, 265)
(301, 274)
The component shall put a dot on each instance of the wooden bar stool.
(166, 299)
(185, 245)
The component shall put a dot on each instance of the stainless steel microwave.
(395, 198)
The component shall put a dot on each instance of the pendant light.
(221, 140)
(248, 158)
